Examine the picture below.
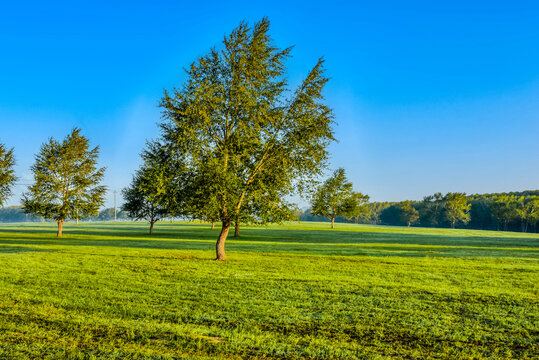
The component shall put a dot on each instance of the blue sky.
(428, 96)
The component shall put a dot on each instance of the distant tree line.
(12, 214)
(513, 211)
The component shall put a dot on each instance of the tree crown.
(66, 180)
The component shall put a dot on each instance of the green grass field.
(108, 290)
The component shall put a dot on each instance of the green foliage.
(153, 192)
(360, 210)
(504, 209)
(457, 208)
(432, 210)
(66, 181)
(7, 173)
(528, 211)
(514, 211)
(242, 133)
(297, 291)
(408, 214)
(335, 197)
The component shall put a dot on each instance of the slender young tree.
(335, 197)
(457, 208)
(7, 173)
(141, 201)
(240, 129)
(66, 181)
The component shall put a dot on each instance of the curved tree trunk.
(333, 223)
(220, 246)
(151, 226)
(60, 226)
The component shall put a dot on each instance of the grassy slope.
(293, 291)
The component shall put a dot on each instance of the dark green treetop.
(66, 181)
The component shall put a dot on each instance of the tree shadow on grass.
(271, 240)
(6, 249)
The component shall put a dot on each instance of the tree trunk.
(60, 226)
(237, 229)
(237, 226)
(332, 222)
(212, 224)
(151, 227)
(220, 246)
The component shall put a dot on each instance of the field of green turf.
(296, 291)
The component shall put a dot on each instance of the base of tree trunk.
(60, 227)
(220, 246)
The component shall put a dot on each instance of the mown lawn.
(108, 290)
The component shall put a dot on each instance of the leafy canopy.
(151, 194)
(457, 208)
(7, 173)
(66, 180)
(408, 214)
(241, 132)
(335, 197)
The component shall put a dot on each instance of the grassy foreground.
(287, 292)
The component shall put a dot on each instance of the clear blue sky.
(429, 96)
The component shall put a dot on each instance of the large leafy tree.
(66, 181)
(153, 192)
(335, 197)
(457, 208)
(7, 173)
(242, 131)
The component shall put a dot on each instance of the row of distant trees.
(515, 211)
(16, 214)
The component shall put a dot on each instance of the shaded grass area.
(287, 292)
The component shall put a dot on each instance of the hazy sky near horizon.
(428, 96)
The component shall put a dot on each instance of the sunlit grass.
(293, 291)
